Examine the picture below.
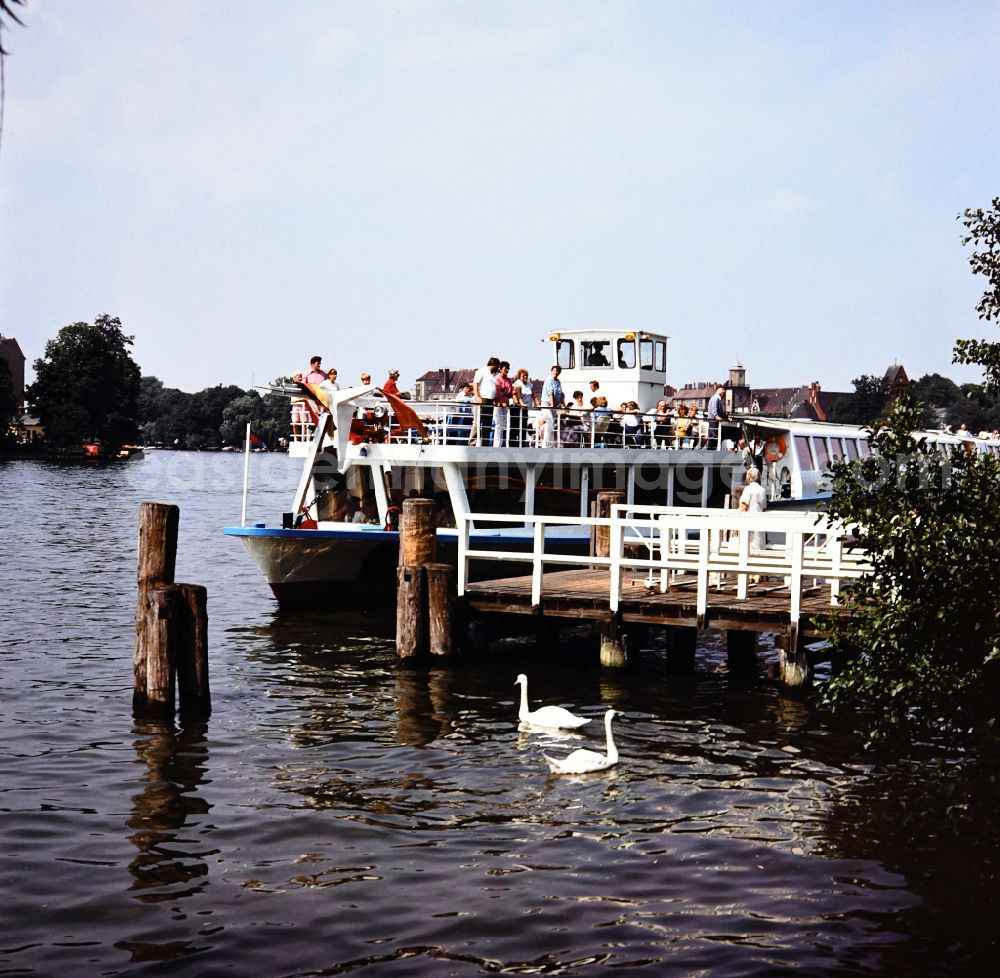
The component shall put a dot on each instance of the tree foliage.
(87, 385)
(211, 418)
(983, 227)
(924, 627)
(866, 405)
(8, 400)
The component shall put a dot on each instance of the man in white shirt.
(484, 390)
(753, 499)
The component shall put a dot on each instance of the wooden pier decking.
(583, 594)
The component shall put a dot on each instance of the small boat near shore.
(364, 452)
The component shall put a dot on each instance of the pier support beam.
(741, 652)
(794, 668)
(614, 644)
(682, 643)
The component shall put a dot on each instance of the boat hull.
(356, 566)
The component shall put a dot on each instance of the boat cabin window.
(565, 354)
(626, 354)
(865, 447)
(804, 451)
(822, 454)
(852, 449)
(836, 449)
(596, 353)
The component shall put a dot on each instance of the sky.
(426, 183)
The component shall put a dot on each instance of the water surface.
(339, 814)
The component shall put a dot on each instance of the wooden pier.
(682, 569)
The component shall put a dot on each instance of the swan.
(584, 761)
(554, 717)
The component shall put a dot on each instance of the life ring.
(775, 448)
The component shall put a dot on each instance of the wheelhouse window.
(626, 354)
(595, 353)
(660, 356)
(565, 354)
(646, 355)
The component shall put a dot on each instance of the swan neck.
(522, 713)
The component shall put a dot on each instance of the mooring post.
(440, 606)
(411, 610)
(606, 498)
(191, 654)
(160, 640)
(418, 532)
(741, 652)
(614, 644)
(156, 566)
(682, 645)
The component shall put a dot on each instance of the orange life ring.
(775, 448)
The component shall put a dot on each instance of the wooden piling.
(794, 667)
(160, 608)
(614, 645)
(418, 532)
(440, 607)
(411, 610)
(191, 654)
(156, 565)
(601, 535)
(171, 625)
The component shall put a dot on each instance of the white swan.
(584, 761)
(553, 717)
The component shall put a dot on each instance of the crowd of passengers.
(494, 410)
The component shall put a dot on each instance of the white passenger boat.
(380, 450)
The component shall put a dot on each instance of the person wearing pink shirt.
(316, 373)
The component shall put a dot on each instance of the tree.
(984, 234)
(866, 404)
(87, 385)
(8, 400)
(248, 409)
(924, 626)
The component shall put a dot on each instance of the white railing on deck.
(451, 423)
(796, 550)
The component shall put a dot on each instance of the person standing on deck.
(484, 392)
(501, 412)
(389, 387)
(521, 399)
(716, 415)
(316, 374)
(552, 400)
(753, 499)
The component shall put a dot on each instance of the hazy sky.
(423, 183)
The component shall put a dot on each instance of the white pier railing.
(793, 550)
